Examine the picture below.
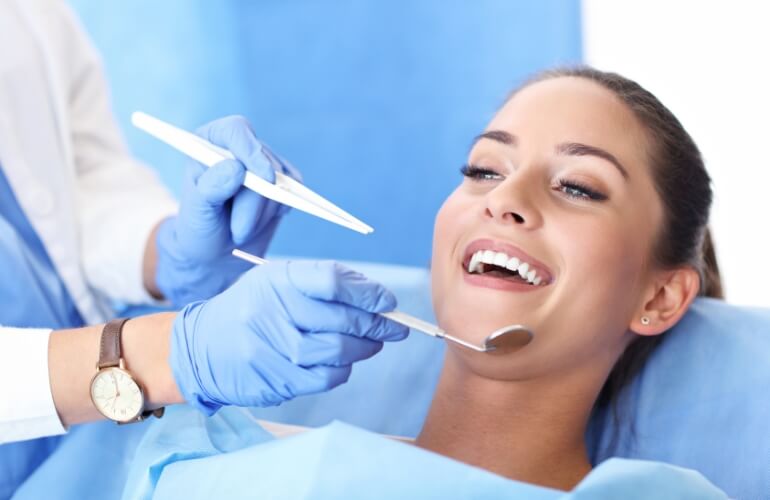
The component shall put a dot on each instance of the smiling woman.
(583, 215)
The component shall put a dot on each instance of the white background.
(709, 62)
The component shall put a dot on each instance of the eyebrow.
(578, 149)
(498, 136)
(567, 148)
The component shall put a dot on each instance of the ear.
(666, 300)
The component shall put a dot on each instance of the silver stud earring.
(645, 320)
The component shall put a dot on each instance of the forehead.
(576, 110)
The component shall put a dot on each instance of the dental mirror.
(501, 341)
(507, 339)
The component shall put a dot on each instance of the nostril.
(505, 215)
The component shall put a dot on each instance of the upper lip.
(512, 251)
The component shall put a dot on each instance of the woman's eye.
(479, 173)
(580, 191)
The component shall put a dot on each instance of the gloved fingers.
(248, 209)
(234, 134)
(332, 349)
(192, 172)
(219, 183)
(280, 164)
(331, 281)
(283, 166)
(202, 225)
(262, 236)
(322, 378)
(314, 316)
(205, 192)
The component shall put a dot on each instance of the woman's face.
(558, 181)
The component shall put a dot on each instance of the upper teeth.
(501, 259)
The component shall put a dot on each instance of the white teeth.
(481, 257)
(475, 259)
(488, 257)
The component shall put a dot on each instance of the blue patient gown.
(32, 295)
(186, 455)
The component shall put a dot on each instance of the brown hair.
(684, 187)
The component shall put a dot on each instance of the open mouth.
(502, 261)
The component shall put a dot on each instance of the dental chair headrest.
(702, 401)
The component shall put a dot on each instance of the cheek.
(604, 259)
(604, 266)
(600, 288)
(448, 227)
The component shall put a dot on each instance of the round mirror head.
(508, 339)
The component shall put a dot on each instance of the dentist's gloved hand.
(217, 214)
(283, 330)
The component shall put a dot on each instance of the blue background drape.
(376, 102)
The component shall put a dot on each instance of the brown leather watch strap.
(157, 413)
(109, 345)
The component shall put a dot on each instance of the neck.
(531, 431)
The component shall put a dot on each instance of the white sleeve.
(119, 200)
(27, 410)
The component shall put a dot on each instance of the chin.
(472, 314)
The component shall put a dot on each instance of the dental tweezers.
(285, 190)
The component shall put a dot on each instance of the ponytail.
(711, 285)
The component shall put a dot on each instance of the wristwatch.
(114, 391)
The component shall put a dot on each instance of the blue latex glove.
(283, 330)
(216, 215)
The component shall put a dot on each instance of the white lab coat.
(91, 204)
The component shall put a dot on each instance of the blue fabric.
(701, 401)
(336, 461)
(91, 462)
(31, 291)
(643, 480)
(186, 455)
(32, 295)
(107, 451)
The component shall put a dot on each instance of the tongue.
(507, 275)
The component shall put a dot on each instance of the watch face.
(116, 395)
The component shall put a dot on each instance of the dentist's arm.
(187, 256)
(283, 330)
(72, 356)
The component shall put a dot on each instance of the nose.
(512, 202)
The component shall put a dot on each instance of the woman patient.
(592, 190)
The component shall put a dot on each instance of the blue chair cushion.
(700, 401)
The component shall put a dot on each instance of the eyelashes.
(580, 191)
(570, 188)
(478, 173)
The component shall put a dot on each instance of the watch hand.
(115, 381)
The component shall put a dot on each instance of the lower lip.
(498, 283)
